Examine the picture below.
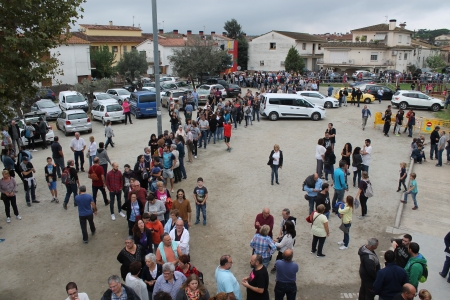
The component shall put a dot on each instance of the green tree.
(28, 30)
(435, 62)
(294, 62)
(199, 56)
(103, 60)
(242, 59)
(132, 61)
(88, 87)
(233, 29)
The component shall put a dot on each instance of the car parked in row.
(211, 87)
(72, 121)
(416, 99)
(108, 111)
(45, 93)
(373, 90)
(51, 110)
(232, 89)
(143, 104)
(33, 118)
(366, 98)
(121, 93)
(98, 97)
(275, 106)
(172, 96)
(72, 100)
(319, 99)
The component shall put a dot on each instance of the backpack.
(93, 175)
(369, 191)
(27, 132)
(247, 110)
(65, 176)
(424, 276)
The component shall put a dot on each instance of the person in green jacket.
(416, 263)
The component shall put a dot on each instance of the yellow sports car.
(366, 98)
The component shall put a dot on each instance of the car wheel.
(327, 104)
(315, 116)
(403, 105)
(273, 116)
(65, 132)
(90, 131)
(367, 100)
(57, 126)
(435, 107)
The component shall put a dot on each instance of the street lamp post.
(156, 67)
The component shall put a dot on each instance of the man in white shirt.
(72, 291)
(366, 154)
(77, 145)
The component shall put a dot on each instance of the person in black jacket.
(143, 236)
(14, 133)
(446, 266)
(368, 268)
(324, 198)
(391, 279)
(116, 287)
(42, 130)
(135, 210)
(275, 162)
(434, 139)
(140, 168)
(146, 274)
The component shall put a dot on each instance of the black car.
(232, 89)
(373, 90)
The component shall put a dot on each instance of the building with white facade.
(268, 51)
(375, 48)
(75, 59)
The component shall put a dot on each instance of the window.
(405, 57)
(408, 39)
(261, 63)
(399, 56)
(374, 56)
(304, 46)
(286, 102)
(115, 48)
(94, 48)
(399, 38)
(274, 101)
(273, 46)
(282, 63)
(133, 48)
(415, 52)
(124, 49)
(319, 47)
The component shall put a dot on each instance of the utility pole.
(156, 67)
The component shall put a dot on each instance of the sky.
(260, 16)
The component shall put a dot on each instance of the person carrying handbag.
(320, 230)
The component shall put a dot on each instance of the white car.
(416, 99)
(319, 99)
(108, 111)
(121, 93)
(168, 79)
(275, 106)
(102, 97)
(72, 100)
(153, 89)
(33, 118)
(210, 87)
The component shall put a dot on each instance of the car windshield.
(74, 98)
(123, 92)
(203, 87)
(147, 98)
(77, 116)
(112, 108)
(46, 104)
(103, 96)
(182, 84)
(322, 95)
(203, 92)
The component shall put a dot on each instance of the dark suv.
(45, 93)
(373, 90)
(232, 89)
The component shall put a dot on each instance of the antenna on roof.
(133, 21)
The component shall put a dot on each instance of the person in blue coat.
(390, 280)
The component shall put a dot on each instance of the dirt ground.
(44, 250)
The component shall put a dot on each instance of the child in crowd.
(403, 176)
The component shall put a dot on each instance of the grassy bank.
(443, 114)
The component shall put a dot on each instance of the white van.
(276, 106)
(72, 100)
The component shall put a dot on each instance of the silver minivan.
(71, 121)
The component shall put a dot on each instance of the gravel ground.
(48, 238)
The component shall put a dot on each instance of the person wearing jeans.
(340, 185)
(346, 216)
(181, 153)
(219, 130)
(204, 127)
(434, 140)
(29, 182)
(86, 211)
(440, 148)
(286, 277)
(362, 186)
(446, 267)
(77, 145)
(114, 183)
(365, 112)
(275, 162)
(312, 191)
(74, 183)
(320, 230)
(8, 195)
(413, 190)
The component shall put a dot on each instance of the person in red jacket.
(227, 134)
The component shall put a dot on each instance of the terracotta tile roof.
(110, 27)
(171, 42)
(110, 39)
(354, 45)
(75, 40)
(305, 37)
(380, 27)
(336, 37)
(405, 47)
(423, 44)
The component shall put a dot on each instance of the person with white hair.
(170, 282)
(150, 273)
(120, 291)
(181, 235)
(370, 265)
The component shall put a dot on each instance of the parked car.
(142, 104)
(366, 98)
(33, 118)
(365, 75)
(72, 100)
(202, 77)
(168, 79)
(121, 93)
(45, 93)
(210, 87)
(175, 86)
(72, 121)
(275, 106)
(416, 99)
(232, 89)
(153, 90)
(171, 96)
(319, 99)
(101, 97)
(108, 111)
(51, 110)
(203, 96)
(373, 90)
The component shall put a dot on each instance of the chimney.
(110, 23)
(175, 31)
(213, 32)
(402, 25)
(200, 32)
(160, 31)
(392, 24)
(244, 34)
(67, 29)
(224, 33)
(189, 32)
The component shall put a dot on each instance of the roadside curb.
(398, 216)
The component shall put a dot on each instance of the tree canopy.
(294, 62)
(132, 61)
(103, 60)
(28, 30)
(435, 62)
(233, 29)
(199, 56)
(88, 87)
